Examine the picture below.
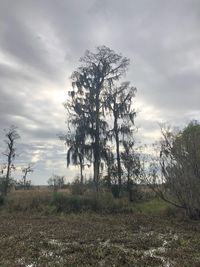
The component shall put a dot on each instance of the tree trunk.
(7, 175)
(81, 170)
(109, 178)
(129, 189)
(25, 179)
(96, 173)
(118, 156)
(128, 180)
(97, 146)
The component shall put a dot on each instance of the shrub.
(115, 190)
(77, 188)
(1, 200)
(90, 202)
(180, 163)
(66, 203)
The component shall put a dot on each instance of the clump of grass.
(157, 206)
(153, 206)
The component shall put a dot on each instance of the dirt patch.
(98, 240)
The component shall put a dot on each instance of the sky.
(41, 42)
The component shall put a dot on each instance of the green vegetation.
(153, 206)
(56, 202)
(180, 166)
(104, 203)
(49, 202)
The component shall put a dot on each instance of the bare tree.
(10, 153)
(26, 170)
(56, 182)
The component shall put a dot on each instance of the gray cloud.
(41, 42)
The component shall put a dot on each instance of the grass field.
(146, 236)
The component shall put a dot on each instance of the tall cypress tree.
(97, 73)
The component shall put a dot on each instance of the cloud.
(42, 41)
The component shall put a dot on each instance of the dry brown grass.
(27, 200)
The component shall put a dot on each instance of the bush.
(77, 188)
(90, 202)
(180, 165)
(64, 203)
(115, 190)
(1, 200)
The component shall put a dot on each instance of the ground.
(90, 239)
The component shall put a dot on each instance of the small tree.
(26, 170)
(56, 182)
(179, 179)
(132, 165)
(10, 153)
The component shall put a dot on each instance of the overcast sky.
(41, 42)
